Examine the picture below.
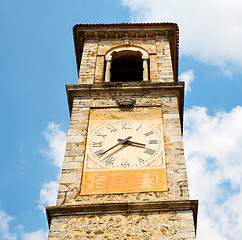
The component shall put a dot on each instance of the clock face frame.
(124, 151)
(144, 144)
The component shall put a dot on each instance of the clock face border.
(143, 147)
(99, 176)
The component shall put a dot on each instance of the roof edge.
(123, 24)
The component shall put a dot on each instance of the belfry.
(124, 173)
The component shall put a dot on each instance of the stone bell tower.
(124, 173)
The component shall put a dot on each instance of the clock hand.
(131, 142)
(119, 143)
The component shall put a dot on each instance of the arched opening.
(127, 66)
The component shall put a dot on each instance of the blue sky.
(37, 60)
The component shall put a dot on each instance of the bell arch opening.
(127, 66)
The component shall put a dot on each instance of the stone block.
(71, 178)
(184, 235)
(176, 177)
(75, 139)
(71, 165)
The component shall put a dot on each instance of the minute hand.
(131, 142)
(119, 143)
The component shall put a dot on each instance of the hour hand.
(122, 141)
(133, 143)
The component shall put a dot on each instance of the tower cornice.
(112, 208)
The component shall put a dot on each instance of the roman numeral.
(126, 125)
(97, 144)
(101, 135)
(109, 160)
(124, 163)
(111, 128)
(149, 133)
(141, 161)
(99, 153)
(137, 129)
(149, 151)
(153, 141)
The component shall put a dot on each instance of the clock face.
(124, 144)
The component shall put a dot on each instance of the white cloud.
(56, 143)
(56, 139)
(6, 232)
(214, 160)
(48, 194)
(5, 220)
(188, 77)
(210, 30)
(39, 235)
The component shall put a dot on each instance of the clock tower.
(124, 173)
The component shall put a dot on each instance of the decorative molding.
(126, 101)
(117, 208)
(121, 48)
(126, 41)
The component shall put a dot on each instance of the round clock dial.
(124, 144)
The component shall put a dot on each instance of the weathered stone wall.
(164, 61)
(70, 182)
(158, 225)
(75, 147)
(88, 62)
(92, 69)
(99, 72)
